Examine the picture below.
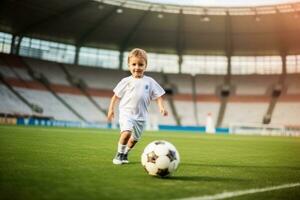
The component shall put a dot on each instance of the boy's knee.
(126, 134)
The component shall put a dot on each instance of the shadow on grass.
(134, 163)
(230, 166)
(205, 179)
(242, 166)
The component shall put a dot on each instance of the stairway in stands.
(82, 86)
(276, 92)
(195, 100)
(7, 62)
(33, 107)
(224, 91)
(170, 89)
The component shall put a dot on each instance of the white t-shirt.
(136, 94)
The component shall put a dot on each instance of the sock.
(127, 149)
(121, 148)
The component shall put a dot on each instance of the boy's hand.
(163, 112)
(110, 115)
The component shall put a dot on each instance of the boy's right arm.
(111, 112)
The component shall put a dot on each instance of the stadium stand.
(83, 106)
(186, 112)
(103, 100)
(95, 77)
(50, 70)
(253, 84)
(6, 71)
(286, 114)
(287, 110)
(182, 83)
(247, 104)
(244, 112)
(51, 106)
(205, 107)
(292, 82)
(207, 84)
(11, 104)
(168, 120)
(11, 66)
(243, 73)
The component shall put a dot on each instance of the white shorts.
(136, 127)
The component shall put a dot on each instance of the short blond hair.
(138, 53)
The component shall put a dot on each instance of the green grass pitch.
(64, 163)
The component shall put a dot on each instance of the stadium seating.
(244, 112)
(183, 83)
(247, 104)
(50, 70)
(287, 109)
(167, 120)
(207, 84)
(204, 108)
(14, 72)
(293, 84)
(286, 113)
(102, 101)
(253, 84)
(95, 77)
(51, 106)
(84, 107)
(11, 104)
(186, 113)
(6, 71)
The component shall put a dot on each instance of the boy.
(135, 93)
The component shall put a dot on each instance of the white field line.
(226, 195)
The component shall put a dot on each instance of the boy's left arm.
(160, 103)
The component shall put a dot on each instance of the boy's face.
(137, 66)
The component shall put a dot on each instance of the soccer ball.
(160, 158)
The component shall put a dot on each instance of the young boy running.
(135, 93)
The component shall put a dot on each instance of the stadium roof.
(222, 3)
(121, 25)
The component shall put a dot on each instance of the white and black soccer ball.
(160, 158)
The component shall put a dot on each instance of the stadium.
(231, 72)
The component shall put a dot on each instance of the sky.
(223, 3)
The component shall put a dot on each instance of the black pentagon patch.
(163, 172)
(159, 142)
(151, 157)
(172, 155)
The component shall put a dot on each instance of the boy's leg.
(130, 144)
(122, 144)
(137, 129)
(135, 136)
(125, 136)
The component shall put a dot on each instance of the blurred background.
(227, 66)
